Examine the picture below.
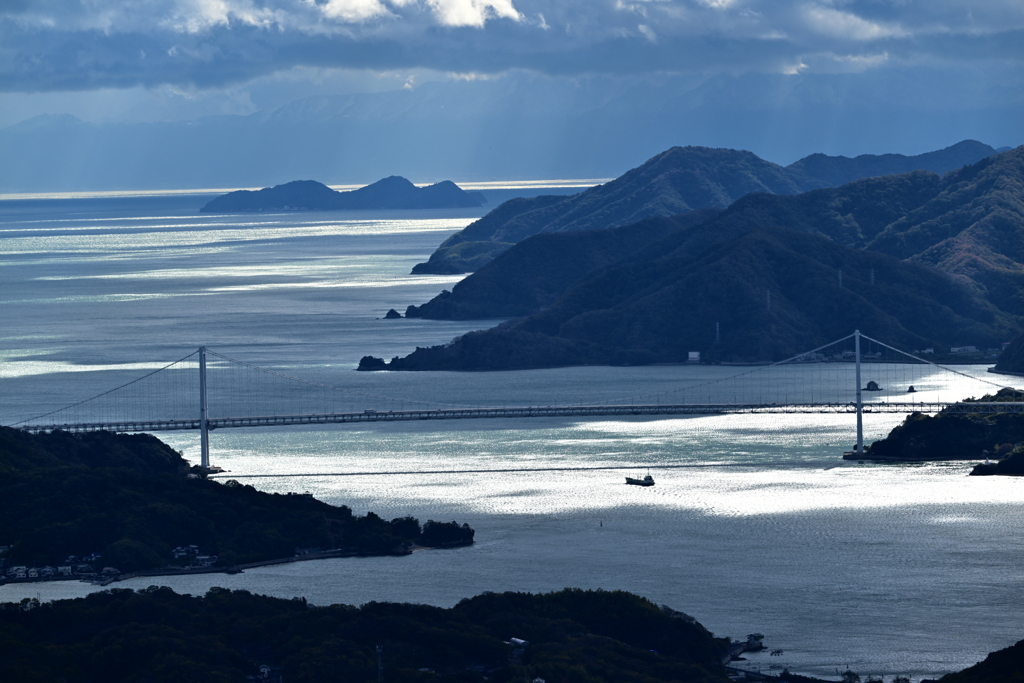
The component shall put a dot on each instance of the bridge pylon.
(204, 431)
(860, 402)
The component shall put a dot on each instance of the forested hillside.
(918, 259)
(159, 636)
(649, 310)
(678, 180)
(131, 499)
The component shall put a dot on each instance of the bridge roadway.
(159, 425)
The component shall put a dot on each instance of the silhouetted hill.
(649, 310)
(972, 228)
(678, 180)
(968, 223)
(158, 636)
(131, 498)
(1011, 360)
(535, 272)
(1003, 666)
(953, 277)
(835, 171)
(394, 192)
(977, 210)
(952, 435)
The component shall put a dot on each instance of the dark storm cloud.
(51, 45)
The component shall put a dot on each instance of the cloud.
(472, 12)
(52, 45)
(847, 26)
(352, 11)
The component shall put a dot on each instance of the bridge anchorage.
(816, 381)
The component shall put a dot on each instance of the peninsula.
(393, 192)
(158, 635)
(101, 504)
(957, 436)
(920, 259)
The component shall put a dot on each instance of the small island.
(393, 192)
(101, 506)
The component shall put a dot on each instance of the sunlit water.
(755, 523)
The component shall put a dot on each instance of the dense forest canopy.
(159, 636)
(130, 498)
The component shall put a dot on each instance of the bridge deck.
(528, 411)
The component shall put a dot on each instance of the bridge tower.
(860, 404)
(204, 432)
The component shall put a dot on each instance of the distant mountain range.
(678, 180)
(393, 192)
(918, 259)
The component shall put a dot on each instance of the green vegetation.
(159, 636)
(131, 498)
(956, 436)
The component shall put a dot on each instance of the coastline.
(1005, 372)
(235, 569)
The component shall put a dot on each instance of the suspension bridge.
(828, 379)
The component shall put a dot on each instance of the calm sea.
(755, 524)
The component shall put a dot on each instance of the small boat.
(646, 481)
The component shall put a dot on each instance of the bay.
(755, 523)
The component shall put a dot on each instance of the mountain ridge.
(626, 311)
(535, 272)
(641, 312)
(677, 180)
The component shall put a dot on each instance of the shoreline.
(867, 457)
(233, 569)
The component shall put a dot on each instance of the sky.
(130, 61)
